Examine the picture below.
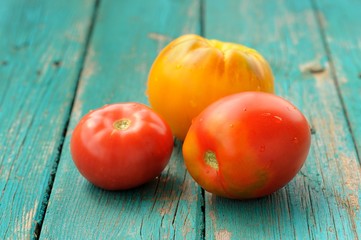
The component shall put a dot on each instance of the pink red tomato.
(121, 146)
(247, 145)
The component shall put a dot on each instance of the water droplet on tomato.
(295, 140)
(278, 119)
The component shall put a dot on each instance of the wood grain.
(313, 47)
(340, 22)
(322, 202)
(41, 53)
(126, 39)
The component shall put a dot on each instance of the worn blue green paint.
(127, 36)
(322, 202)
(41, 53)
(313, 47)
(342, 36)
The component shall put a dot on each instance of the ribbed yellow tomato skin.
(193, 72)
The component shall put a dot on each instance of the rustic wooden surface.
(60, 59)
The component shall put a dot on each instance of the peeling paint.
(222, 235)
(313, 66)
(91, 66)
(352, 181)
(158, 37)
(354, 201)
(29, 216)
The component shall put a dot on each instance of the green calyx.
(122, 124)
(211, 159)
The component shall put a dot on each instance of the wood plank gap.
(39, 219)
(316, 11)
(202, 22)
(203, 212)
(202, 32)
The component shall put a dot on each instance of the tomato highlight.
(247, 145)
(121, 146)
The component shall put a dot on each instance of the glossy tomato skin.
(247, 145)
(121, 146)
(192, 72)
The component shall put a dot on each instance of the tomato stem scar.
(210, 159)
(122, 124)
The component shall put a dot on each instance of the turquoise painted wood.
(60, 59)
(41, 53)
(126, 39)
(322, 202)
(340, 22)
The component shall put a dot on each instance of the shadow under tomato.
(150, 191)
(166, 189)
(172, 177)
(94, 190)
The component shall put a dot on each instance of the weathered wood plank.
(126, 39)
(322, 202)
(41, 53)
(340, 21)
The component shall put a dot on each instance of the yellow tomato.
(193, 72)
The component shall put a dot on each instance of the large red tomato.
(247, 145)
(121, 146)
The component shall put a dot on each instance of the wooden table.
(60, 59)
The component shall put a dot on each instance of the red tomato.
(121, 146)
(247, 145)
